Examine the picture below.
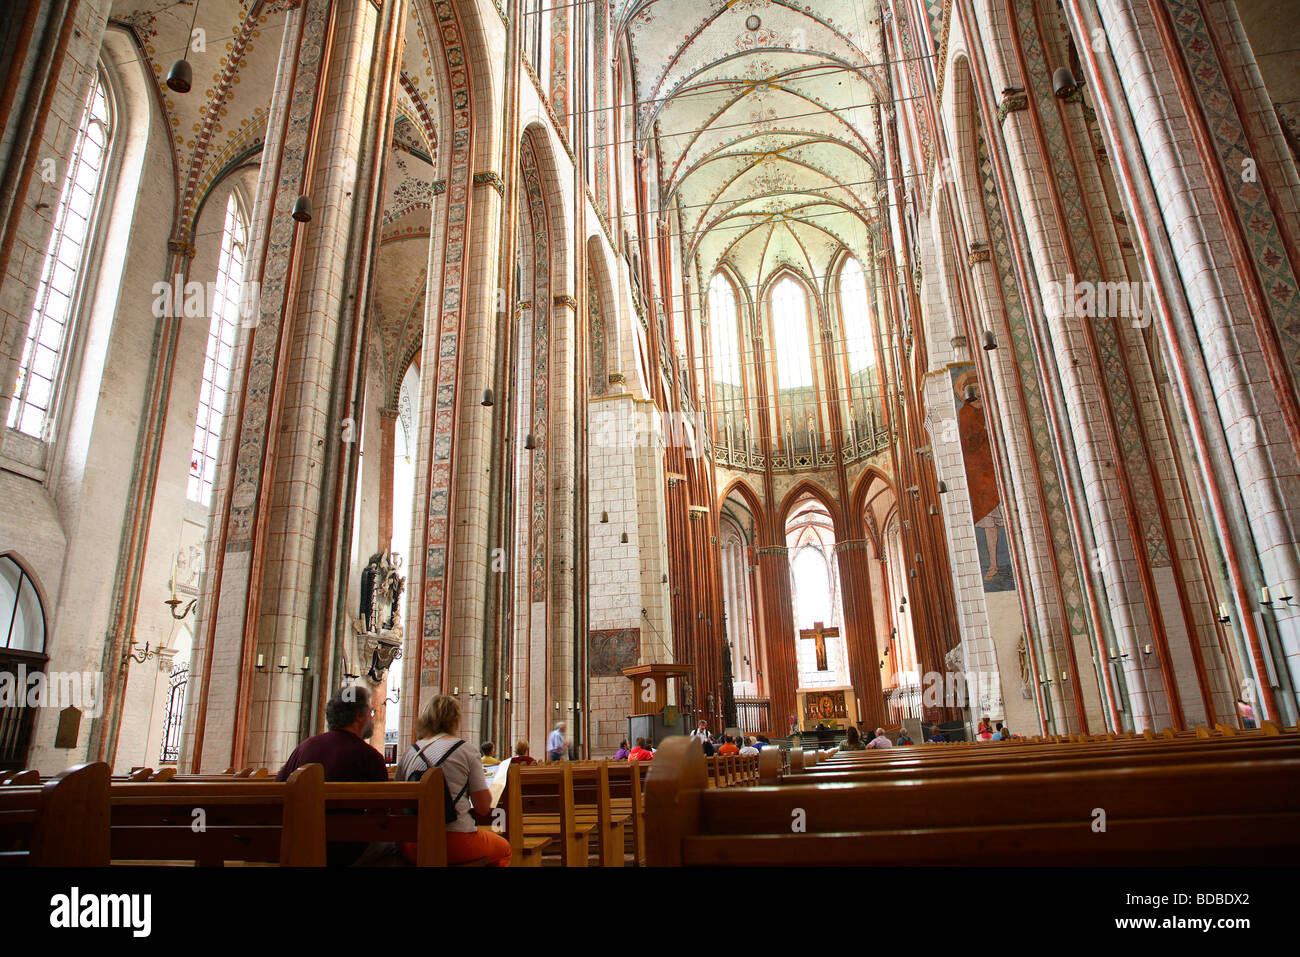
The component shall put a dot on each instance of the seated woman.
(622, 752)
(852, 741)
(439, 745)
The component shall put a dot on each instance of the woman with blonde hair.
(439, 745)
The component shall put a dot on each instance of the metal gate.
(171, 743)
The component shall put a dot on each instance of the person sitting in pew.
(904, 739)
(521, 753)
(749, 748)
(852, 740)
(487, 753)
(880, 741)
(985, 731)
(439, 745)
(345, 755)
(938, 737)
(1004, 733)
(641, 752)
(622, 752)
(728, 746)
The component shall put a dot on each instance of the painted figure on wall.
(981, 483)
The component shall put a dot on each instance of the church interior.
(885, 409)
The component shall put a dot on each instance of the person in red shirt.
(641, 752)
(346, 755)
(728, 746)
(521, 753)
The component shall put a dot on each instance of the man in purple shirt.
(344, 753)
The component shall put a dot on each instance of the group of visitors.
(996, 731)
(728, 744)
(346, 755)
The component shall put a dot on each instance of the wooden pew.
(397, 811)
(626, 787)
(548, 810)
(1239, 812)
(593, 803)
(526, 850)
(25, 778)
(253, 821)
(61, 823)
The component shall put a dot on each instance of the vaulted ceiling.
(224, 116)
(764, 112)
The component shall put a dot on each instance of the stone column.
(1211, 192)
(272, 583)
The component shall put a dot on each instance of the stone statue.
(381, 588)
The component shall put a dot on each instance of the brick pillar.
(778, 616)
(859, 629)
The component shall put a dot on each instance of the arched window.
(723, 327)
(44, 356)
(221, 346)
(22, 619)
(790, 336)
(857, 317)
(812, 582)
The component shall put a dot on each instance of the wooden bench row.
(1226, 800)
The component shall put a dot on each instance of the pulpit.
(650, 716)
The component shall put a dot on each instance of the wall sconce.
(173, 602)
(934, 509)
(604, 518)
(912, 573)
(529, 443)
(557, 706)
(624, 538)
(261, 662)
(916, 559)
(486, 401)
(1285, 596)
(1264, 598)
(990, 340)
(302, 209)
(943, 487)
(1063, 82)
(284, 662)
(1065, 675)
(1146, 650)
(970, 395)
(306, 664)
(142, 656)
(1223, 613)
(664, 580)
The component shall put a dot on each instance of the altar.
(834, 707)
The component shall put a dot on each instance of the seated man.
(728, 747)
(880, 741)
(345, 755)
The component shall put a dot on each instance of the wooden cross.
(819, 633)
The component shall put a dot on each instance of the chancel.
(660, 379)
